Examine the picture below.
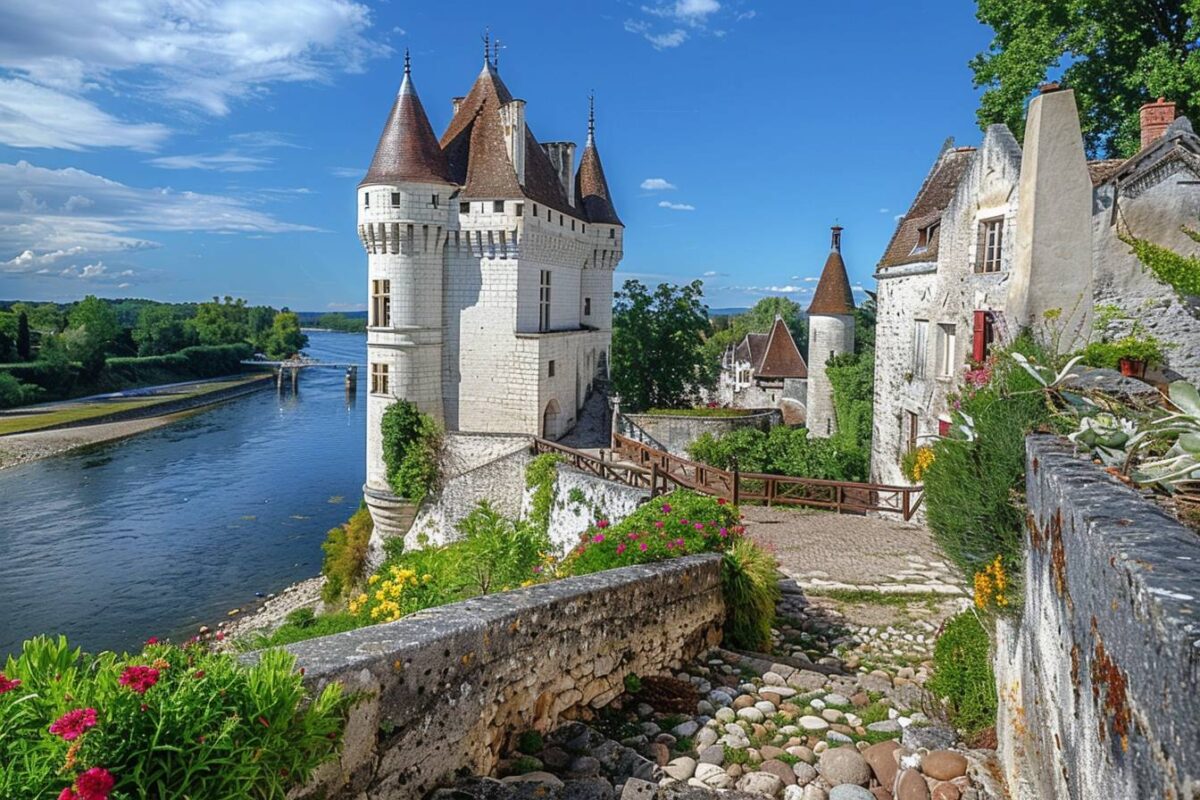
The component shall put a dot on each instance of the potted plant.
(1135, 353)
(1131, 353)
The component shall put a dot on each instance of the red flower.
(68, 794)
(721, 501)
(220, 635)
(71, 725)
(139, 678)
(602, 524)
(95, 784)
(152, 640)
(7, 685)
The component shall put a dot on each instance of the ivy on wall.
(412, 445)
(1180, 272)
(541, 477)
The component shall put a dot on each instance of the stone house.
(490, 259)
(997, 236)
(765, 370)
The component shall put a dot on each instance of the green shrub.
(496, 553)
(750, 584)
(412, 443)
(541, 477)
(530, 743)
(782, 451)
(299, 626)
(974, 487)
(166, 722)
(1137, 348)
(962, 674)
(633, 684)
(13, 392)
(700, 411)
(345, 553)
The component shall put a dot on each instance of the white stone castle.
(490, 264)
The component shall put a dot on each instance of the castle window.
(535, 209)
(612, 233)
(584, 228)
(381, 303)
(911, 427)
(395, 199)
(947, 341)
(925, 237)
(498, 206)
(519, 209)
(587, 306)
(548, 216)
(464, 208)
(379, 379)
(560, 220)
(550, 369)
(436, 200)
(987, 256)
(572, 224)
(366, 199)
(544, 302)
(920, 352)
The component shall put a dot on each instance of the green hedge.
(202, 361)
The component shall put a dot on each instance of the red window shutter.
(943, 427)
(980, 339)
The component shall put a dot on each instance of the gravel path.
(19, 448)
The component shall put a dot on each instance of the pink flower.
(537, 570)
(152, 640)
(724, 532)
(699, 526)
(721, 501)
(220, 636)
(658, 523)
(68, 794)
(7, 685)
(632, 535)
(139, 678)
(598, 538)
(602, 524)
(71, 725)
(679, 542)
(620, 548)
(666, 509)
(642, 546)
(95, 784)
(683, 522)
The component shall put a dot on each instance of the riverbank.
(270, 613)
(54, 428)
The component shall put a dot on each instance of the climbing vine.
(412, 445)
(541, 476)
(1180, 272)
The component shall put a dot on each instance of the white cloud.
(657, 184)
(811, 279)
(676, 206)
(38, 230)
(348, 172)
(201, 55)
(689, 11)
(884, 210)
(670, 24)
(229, 161)
(745, 15)
(712, 273)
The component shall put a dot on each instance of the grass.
(962, 674)
(41, 420)
(718, 413)
(299, 627)
(869, 597)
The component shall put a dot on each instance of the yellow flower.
(374, 579)
(427, 577)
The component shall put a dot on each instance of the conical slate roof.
(408, 149)
(833, 294)
(782, 358)
(474, 140)
(591, 188)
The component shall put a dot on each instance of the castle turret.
(830, 333)
(403, 216)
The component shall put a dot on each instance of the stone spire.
(591, 188)
(408, 149)
(833, 294)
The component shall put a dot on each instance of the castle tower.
(403, 217)
(830, 333)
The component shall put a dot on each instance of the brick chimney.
(1156, 118)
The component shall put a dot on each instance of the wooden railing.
(843, 497)
(609, 470)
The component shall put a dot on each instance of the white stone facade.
(829, 335)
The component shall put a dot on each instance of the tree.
(160, 329)
(220, 322)
(1119, 54)
(93, 328)
(285, 338)
(23, 336)
(657, 350)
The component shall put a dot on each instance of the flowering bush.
(916, 462)
(991, 585)
(165, 722)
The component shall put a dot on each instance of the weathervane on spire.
(591, 115)
(496, 53)
(487, 45)
(407, 62)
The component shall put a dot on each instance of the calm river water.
(161, 532)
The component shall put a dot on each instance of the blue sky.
(177, 150)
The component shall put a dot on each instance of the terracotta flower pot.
(1133, 368)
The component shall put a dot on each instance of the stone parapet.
(1097, 679)
(446, 689)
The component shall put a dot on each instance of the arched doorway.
(550, 420)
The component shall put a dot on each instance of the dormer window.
(519, 209)
(926, 236)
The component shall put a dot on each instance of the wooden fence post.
(737, 481)
(653, 481)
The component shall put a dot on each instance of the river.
(158, 533)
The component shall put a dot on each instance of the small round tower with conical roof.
(830, 333)
(404, 212)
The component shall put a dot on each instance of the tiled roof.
(752, 348)
(781, 357)
(407, 149)
(833, 294)
(1179, 141)
(474, 141)
(935, 194)
(1101, 171)
(591, 189)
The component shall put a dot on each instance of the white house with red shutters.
(997, 236)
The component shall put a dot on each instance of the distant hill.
(727, 312)
(348, 321)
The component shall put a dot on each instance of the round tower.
(830, 333)
(403, 218)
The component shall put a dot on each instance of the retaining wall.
(580, 499)
(1098, 678)
(674, 433)
(447, 688)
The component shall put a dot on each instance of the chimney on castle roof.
(1156, 117)
(835, 242)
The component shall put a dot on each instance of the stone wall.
(448, 688)
(580, 499)
(674, 433)
(1097, 679)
